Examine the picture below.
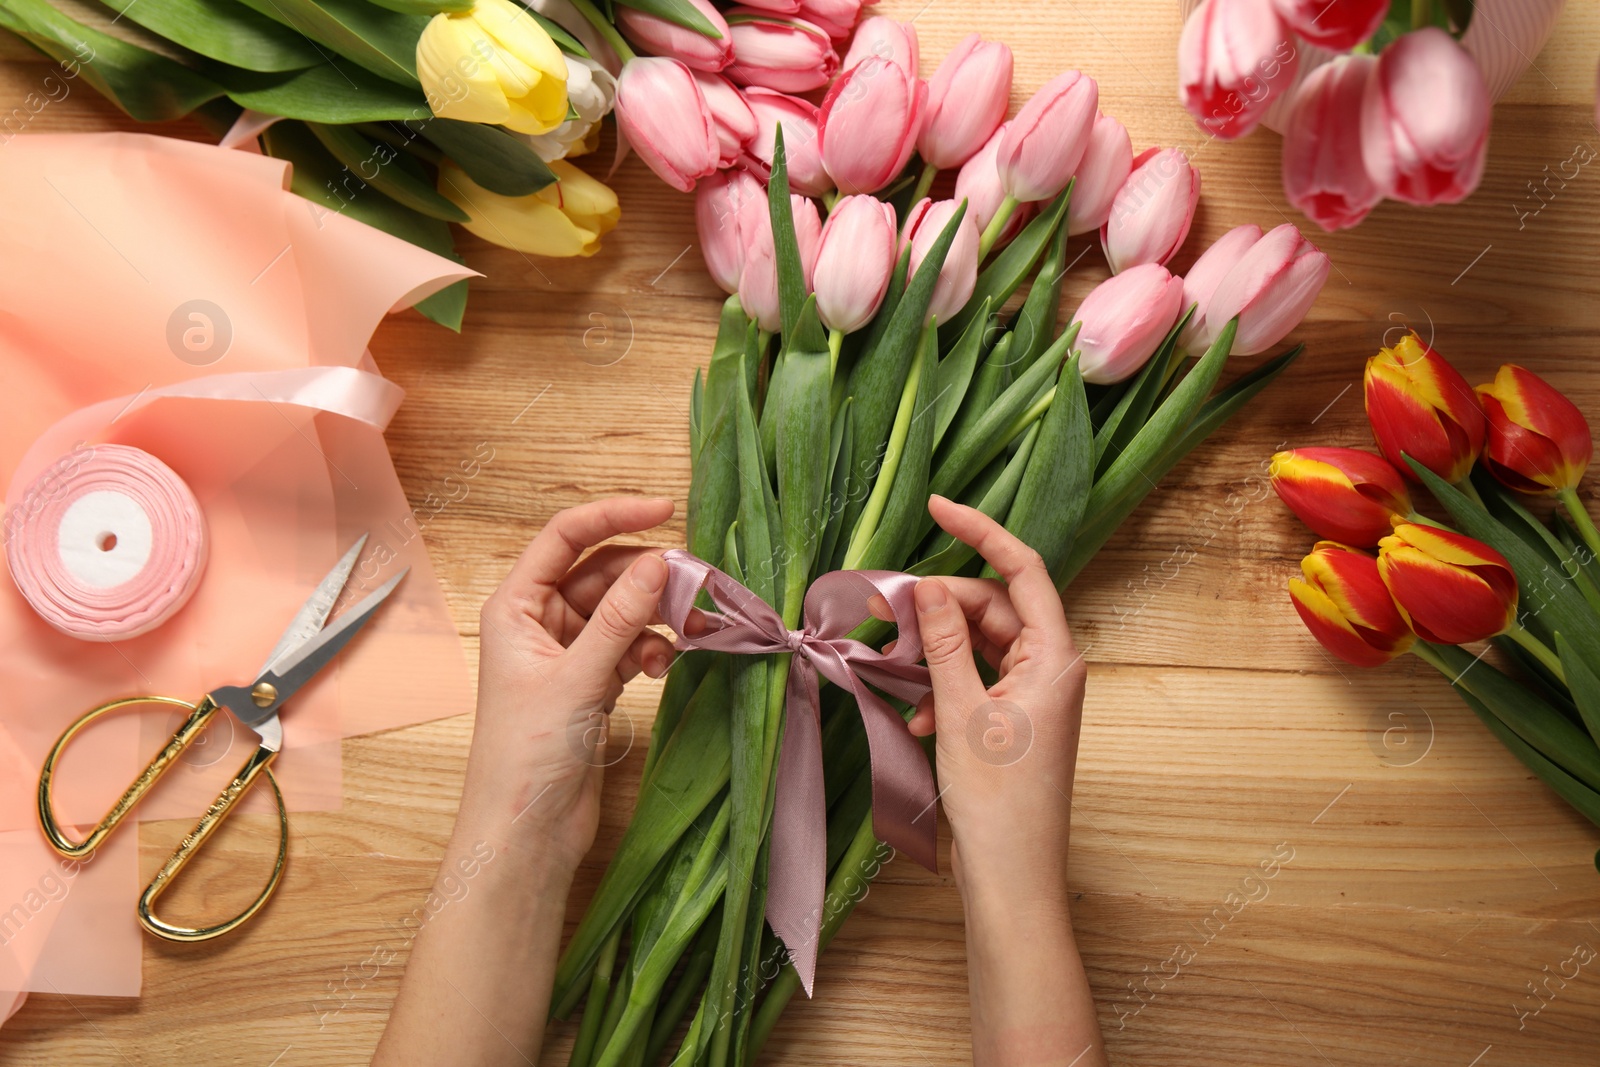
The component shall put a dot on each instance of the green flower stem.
(1421, 13)
(991, 233)
(924, 182)
(867, 525)
(1539, 650)
(835, 341)
(604, 28)
(829, 199)
(1581, 519)
(594, 1009)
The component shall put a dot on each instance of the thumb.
(947, 647)
(620, 617)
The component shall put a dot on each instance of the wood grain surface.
(1423, 881)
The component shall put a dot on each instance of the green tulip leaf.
(223, 30)
(1010, 266)
(558, 33)
(992, 496)
(383, 42)
(323, 93)
(1055, 486)
(680, 12)
(1035, 324)
(956, 370)
(490, 156)
(1134, 406)
(1584, 685)
(785, 245)
(387, 170)
(149, 87)
(428, 8)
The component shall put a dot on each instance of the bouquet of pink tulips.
(1530, 587)
(868, 357)
(1400, 111)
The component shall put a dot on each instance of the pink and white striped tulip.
(967, 98)
(1151, 213)
(786, 54)
(735, 123)
(959, 274)
(725, 206)
(1104, 169)
(800, 145)
(666, 119)
(868, 125)
(836, 18)
(855, 258)
(758, 281)
(661, 37)
(1235, 58)
(1425, 120)
(1323, 172)
(1270, 289)
(1337, 25)
(1123, 321)
(1045, 142)
(1207, 273)
(885, 38)
(978, 183)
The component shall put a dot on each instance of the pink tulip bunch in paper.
(1400, 112)
(873, 237)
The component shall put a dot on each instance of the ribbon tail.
(798, 868)
(903, 794)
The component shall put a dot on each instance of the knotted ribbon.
(902, 782)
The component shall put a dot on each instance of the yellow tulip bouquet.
(405, 114)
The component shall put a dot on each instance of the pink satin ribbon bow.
(902, 782)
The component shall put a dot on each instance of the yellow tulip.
(566, 218)
(493, 64)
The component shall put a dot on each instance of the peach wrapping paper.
(106, 243)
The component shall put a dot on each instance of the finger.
(650, 654)
(587, 582)
(947, 647)
(570, 533)
(621, 616)
(1033, 593)
(987, 605)
(921, 724)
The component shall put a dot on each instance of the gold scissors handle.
(256, 766)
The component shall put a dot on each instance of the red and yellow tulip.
(1538, 439)
(1451, 588)
(1346, 606)
(1341, 493)
(1419, 405)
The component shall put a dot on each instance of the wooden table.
(1425, 879)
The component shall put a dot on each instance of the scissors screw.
(264, 694)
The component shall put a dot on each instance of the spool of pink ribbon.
(107, 543)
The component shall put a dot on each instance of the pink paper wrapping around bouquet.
(135, 269)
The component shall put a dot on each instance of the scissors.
(303, 650)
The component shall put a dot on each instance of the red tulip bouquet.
(867, 357)
(1400, 110)
(1502, 575)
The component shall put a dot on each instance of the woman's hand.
(558, 640)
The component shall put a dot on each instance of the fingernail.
(931, 596)
(649, 573)
(658, 666)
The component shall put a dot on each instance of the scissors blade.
(303, 663)
(308, 621)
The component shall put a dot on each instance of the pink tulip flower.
(758, 281)
(1337, 25)
(1270, 289)
(1206, 274)
(978, 183)
(1235, 58)
(774, 7)
(1123, 321)
(1323, 173)
(868, 125)
(1151, 213)
(885, 38)
(1425, 120)
(1104, 169)
(692, 48)
(725, 206)
(1047, 139)
(666, 119)
(967, 98)
(800, 145)
(786, 54)
(735, 123)
(836, 18)
(855, 258)
(959, 274)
